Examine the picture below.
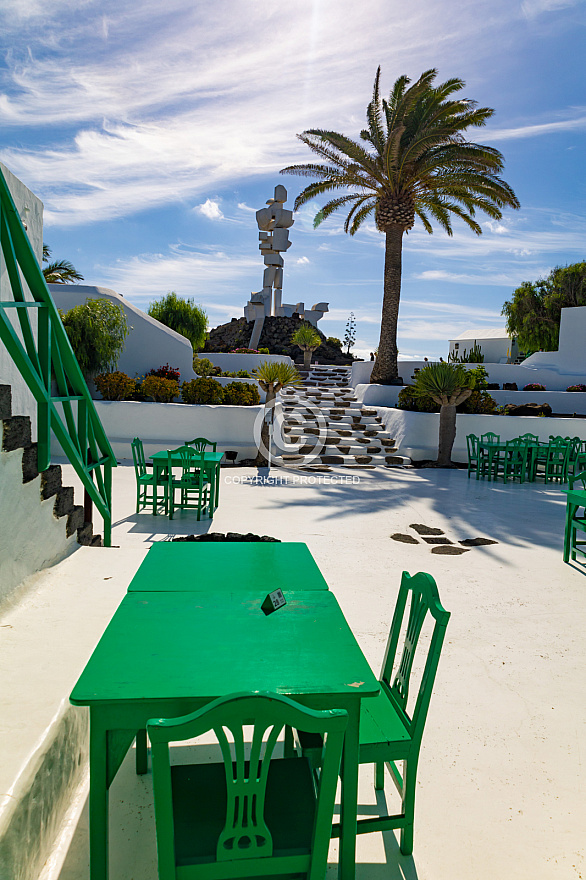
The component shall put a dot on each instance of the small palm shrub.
(534, 386)
(166, 372)
(202, 391)
(576, 388)
(308, 339)
(204, 367)
(115, 386)
(241, 394)
(159, 389)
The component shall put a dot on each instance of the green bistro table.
(211, 462)
(575, 498)
(492, 448)
(168, 654)
(239, 566)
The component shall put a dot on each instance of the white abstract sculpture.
(274, 223)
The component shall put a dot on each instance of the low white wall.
(560, 401)
(416, 434)
(168, 425)
(361, 371)
(149, 344)
(248, 362)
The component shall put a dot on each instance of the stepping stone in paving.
(332, 459)
(449, 551)
(363, 459)
(344, 450)
(425, 530)
(436, 540)
(370, 433)
(477, 542)
(345, 433)
(373, 449)
(404, 539)
(362, 440)
(368, 412)
(394, 459)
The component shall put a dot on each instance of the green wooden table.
(493, 448)
(167, 654)
(575, 498)
(211, 461)
(238, 566)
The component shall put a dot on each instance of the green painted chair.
(200, 444)
(513, 462)
(146, 492)
(578, 521)
(251, 815)
(193, 483)
(477, 460)
(491, 455)
(389, 730)
(552, 461)
(531, 438)
(577, 451)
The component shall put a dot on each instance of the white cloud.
(532, 8)
(210, 209)
(578, 123)
(302, 261)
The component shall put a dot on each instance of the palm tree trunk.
(385, 370)
(447, 435)
(307, 359)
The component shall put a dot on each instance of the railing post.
(108, 493)
(44, 406)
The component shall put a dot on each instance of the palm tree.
(416, 162)
(272, 376)
(59, 271)
(448, 385)
(307, 339)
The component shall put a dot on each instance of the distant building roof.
(484, 333)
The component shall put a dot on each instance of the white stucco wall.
(416, 434)
(148, 345)
(168, 425)
(493, 349)
(361, 371)
(249, 362)
(30, 209)
(31, 538)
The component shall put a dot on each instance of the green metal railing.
(49, 367)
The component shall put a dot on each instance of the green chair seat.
(380, 723)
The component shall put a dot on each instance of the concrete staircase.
(324, 424)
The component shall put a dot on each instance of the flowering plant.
(534, 386)
(576, 388)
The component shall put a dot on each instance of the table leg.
(98, 800)
(347, 860)
(570, 511)
(155, 486)
(217, 495)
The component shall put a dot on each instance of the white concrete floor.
(502, 777)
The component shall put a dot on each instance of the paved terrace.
(502, 778)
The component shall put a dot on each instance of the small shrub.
(534, 386)
(115, 386)
(576, 388)
(161, 390)
(241, 394)
(204, 367)
(166, 372)
(204, 390)
(333, 340)
(416, 403)
(263, 351)
(479, 403)
(250, 351)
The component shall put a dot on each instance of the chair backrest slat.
(138, 457)
(201, 444)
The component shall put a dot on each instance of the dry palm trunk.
(385, 370)
(447, 425)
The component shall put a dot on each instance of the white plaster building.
(495, 343)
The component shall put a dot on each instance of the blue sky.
(153, 131)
